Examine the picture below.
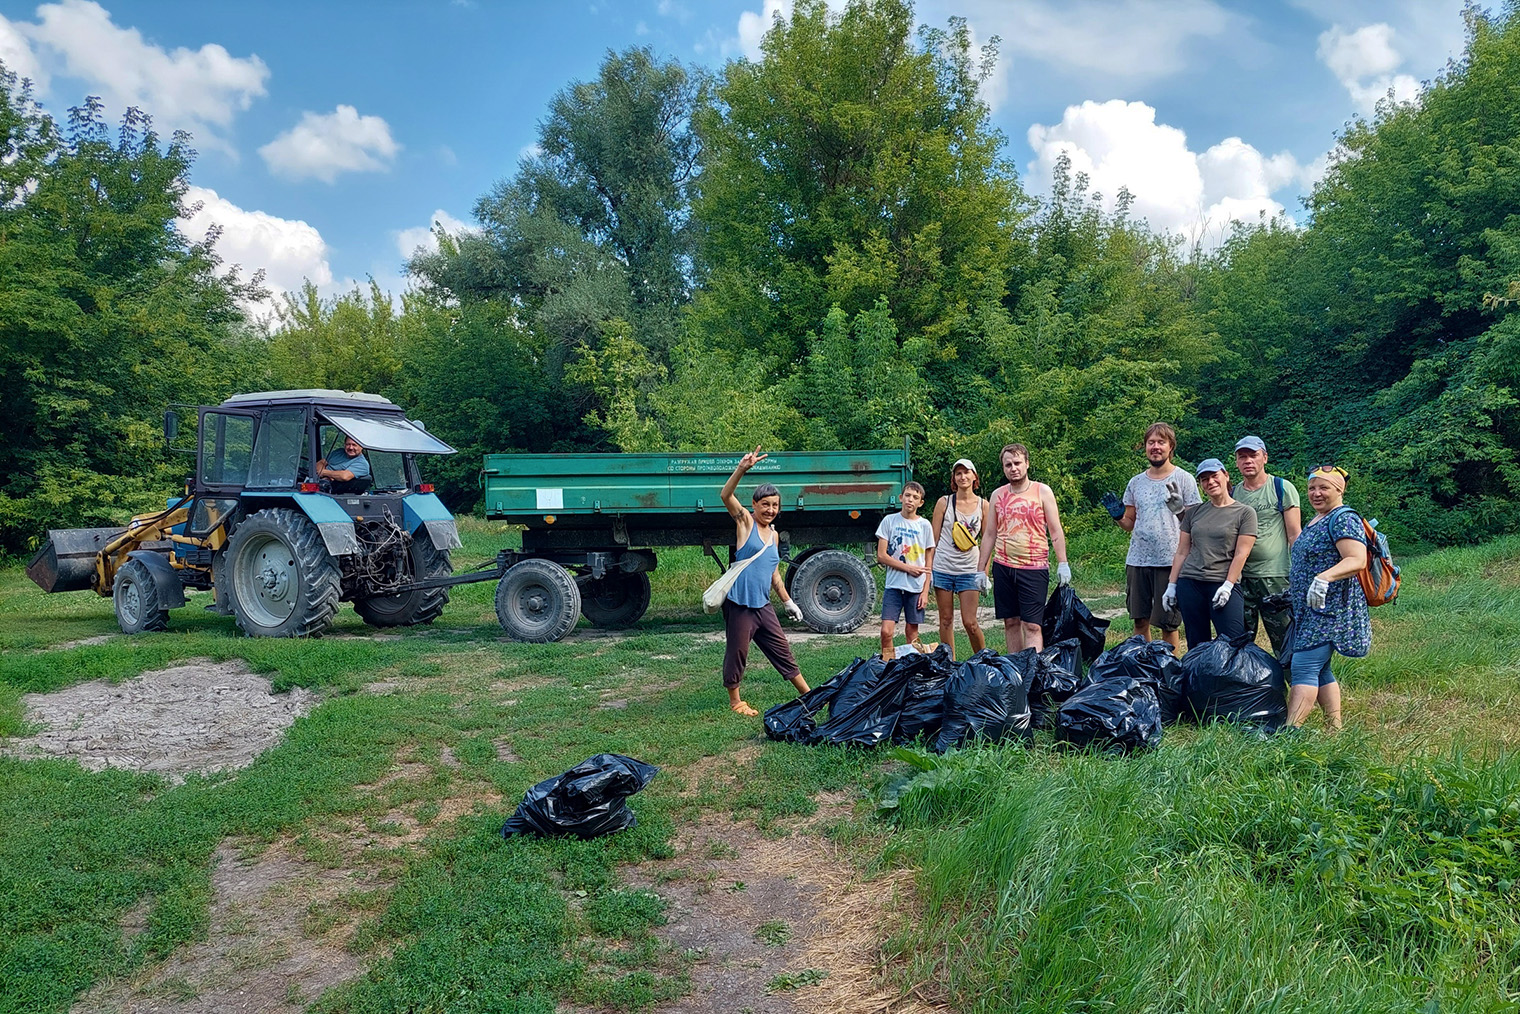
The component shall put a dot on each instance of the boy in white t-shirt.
(905, 546)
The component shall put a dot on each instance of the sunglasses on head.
(1338, 470)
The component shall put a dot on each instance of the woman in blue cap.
(1216, 538)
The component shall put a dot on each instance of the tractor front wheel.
(136, 599)
(423, 605)
(284, 583)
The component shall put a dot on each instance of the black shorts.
(1143, 588)
(1019, 593)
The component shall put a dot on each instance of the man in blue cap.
(1278, 522)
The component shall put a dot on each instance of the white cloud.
(323, 145)
(528, 152)
(671, 9)
(16, 53)
(289, 251)
(1364, 62)
(641, 29)
(1195, 195)
(199, 90)
(408, 241)
(1130, 39)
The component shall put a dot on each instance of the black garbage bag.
(985, 699)
(1054, 678)
(1067, 616)
(793, 722)
(587, 801)
(867, 705)
(1236, 682)
(923, 707)
(1118, 715)
(1149, 662)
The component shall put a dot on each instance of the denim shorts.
(955, 582)
(1311, 668)
(895, 602)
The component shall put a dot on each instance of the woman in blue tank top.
(747, 611)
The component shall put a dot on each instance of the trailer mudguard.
(425, 510)
(336, 527)
(171, 594)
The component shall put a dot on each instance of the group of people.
(1206, 556)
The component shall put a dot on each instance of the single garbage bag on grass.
(587, 801)
(1149, 662)
(1053, 679)
(1236, 682)
(1119, 715)
(1067, 616)
(923, 708)
(985, 699)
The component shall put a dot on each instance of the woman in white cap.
(960, 562)
(1212, 547)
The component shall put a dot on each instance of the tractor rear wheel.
(835, 590)
(136, 599)
(284, 583)
(537, 601)
(616, 600)
(424, 605)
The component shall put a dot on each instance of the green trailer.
(593, 524)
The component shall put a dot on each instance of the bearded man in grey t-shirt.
(1152, 502)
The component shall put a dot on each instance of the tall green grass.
(1225, 872)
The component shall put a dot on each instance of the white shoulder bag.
(712, 598)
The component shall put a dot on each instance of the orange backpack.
(1380, 577)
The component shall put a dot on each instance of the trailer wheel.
(537, 601)
(422, 605)
(615, 601)
(284, 583)
(835, 590)
(136, 599)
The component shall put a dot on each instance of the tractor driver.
(347, 470)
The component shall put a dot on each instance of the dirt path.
(276, 939)
(775, 923)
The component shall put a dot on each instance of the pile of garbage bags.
(1120, 703)
(587, 801)
(947, 704)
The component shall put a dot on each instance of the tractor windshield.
(376, 432)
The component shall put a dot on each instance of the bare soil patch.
(198, 717)
(278, 936)
(775, 925)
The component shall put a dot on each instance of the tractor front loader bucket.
(66, 561)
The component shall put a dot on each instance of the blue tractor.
(276, 536)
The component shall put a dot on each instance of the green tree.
(349, 342)
(848, 165)
(107, 314)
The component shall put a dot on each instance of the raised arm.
(737, 510)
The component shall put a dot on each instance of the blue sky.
(332, 134)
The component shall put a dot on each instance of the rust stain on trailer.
(861, 467)
(651, 500)
(845, 489)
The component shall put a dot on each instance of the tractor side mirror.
(171, 427)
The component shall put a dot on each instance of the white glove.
(1174, 499)
(983, 582)
(794, 610)
(1222, 596)
(1318, 589)
(1169, 597)
(1063, 573)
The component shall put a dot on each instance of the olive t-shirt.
(1269, 557)
(1212, 533)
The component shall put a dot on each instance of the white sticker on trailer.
(551, 499)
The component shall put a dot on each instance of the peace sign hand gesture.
(752, 459)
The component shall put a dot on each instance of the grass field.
(1376, 870)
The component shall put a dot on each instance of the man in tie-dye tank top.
(1028, 526)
